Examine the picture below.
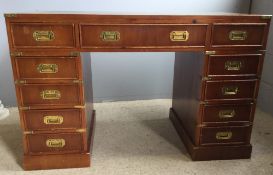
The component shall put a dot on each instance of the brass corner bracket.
(81, 130)
(24, 108)
(20, 82)
(210, 52)
(16, 54)
(77, 81)
(80, 106)
(266, 16)
(75, 54)
(10, 15)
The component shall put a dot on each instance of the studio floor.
(137, 137)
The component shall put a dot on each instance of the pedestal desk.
(218, 65)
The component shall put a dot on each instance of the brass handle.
(43, 35)
(50, 95)
(227, 113)
(179, 35)
(230, 90)
(233, 65)
(110, 36)
(223, 135)
(47, 68)
(55, 143)
(236, 35)
(53, 120)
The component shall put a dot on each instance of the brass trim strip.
(212, 52)
(28, 132)
(77, 81)
(16, 54)
(20, 82)
(24, 108)
(81, 130)
(206, 78)
(80, 106)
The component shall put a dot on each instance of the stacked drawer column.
(214, 111)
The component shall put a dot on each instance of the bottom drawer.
(56, 143)
(225, 135)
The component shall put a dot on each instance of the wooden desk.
(215, 85)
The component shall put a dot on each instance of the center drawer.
(142, 35)
(230, 89)
(38, 120)
(55, 143)
(51, 94)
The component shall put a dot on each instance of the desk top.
(134, 18)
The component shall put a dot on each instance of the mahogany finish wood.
(218, 65)
(34, 120)
(67, 68)
(151, 35)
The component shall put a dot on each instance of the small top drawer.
(238, 35)
(235, 65)
(29, 68)
(42, 35)
(120, 36)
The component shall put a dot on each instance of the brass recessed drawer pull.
(53, 120)
(110, 36)
(50, 95)
(236, 35)
(179, 35)
(55, 143)
(223, 135)
(47, 68)
(230, 90)
(227, 113)
(233, 65)
(43, 35)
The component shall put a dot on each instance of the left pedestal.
(53, 110)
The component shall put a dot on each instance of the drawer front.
(47, 67)
(117, 36)
(51, 94)
(225, 135)
(227, 113)
(238, 35)
(35, 120)
(241, 65)
(42, 35)
(232, 89)
(55, 143)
